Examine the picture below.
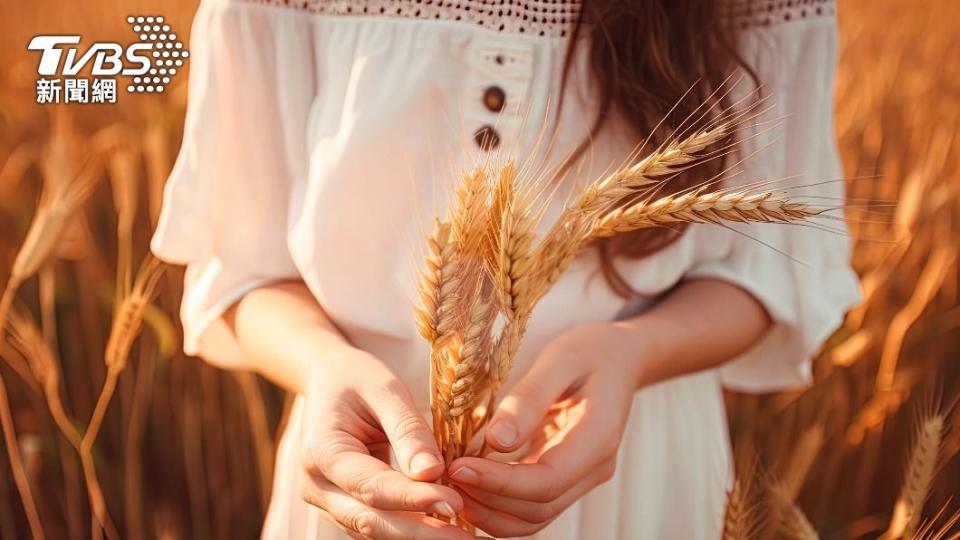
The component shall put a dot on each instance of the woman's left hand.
(571, 407)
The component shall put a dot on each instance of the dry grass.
(176, 446)
(897, 112)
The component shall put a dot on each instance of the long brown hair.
(644, 56)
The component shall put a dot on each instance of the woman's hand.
(357, 411)
(571, 407)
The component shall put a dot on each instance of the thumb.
(409, 435)
(526, 404)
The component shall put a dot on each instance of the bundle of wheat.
(486, 269)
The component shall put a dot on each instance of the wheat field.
(117, 434)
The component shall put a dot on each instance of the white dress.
(323, 136)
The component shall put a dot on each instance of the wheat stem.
(97, 501)
(29, 341)
(16, 465)
(126, 326)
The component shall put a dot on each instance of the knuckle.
(608, 469)
(552, 490)
(306, 495)
(500, 482)
(407, 427)
(529, 395)
(610, 447)
(308, 453)
(533, 528)
(368, 489)
(543, 513)
(361, 521)
(524, 529)
(314, 454)
(305, 492)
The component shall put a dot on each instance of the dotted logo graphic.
(167, 57)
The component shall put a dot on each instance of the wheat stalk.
(28, 340)
(126, 326)
(16, 464)
(801, 460)
(58, 204)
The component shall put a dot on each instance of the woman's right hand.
(357, 413)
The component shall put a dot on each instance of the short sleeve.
(226, 203)
(800, 273)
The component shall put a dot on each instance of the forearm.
(701, 324)
(276, 325)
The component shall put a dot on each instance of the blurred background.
(110, 430)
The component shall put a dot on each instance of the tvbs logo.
(150, 64)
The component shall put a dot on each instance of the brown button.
(486, 138)
(494, 98)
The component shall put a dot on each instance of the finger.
(410, 436)
(523, 408)
(561, 467)
(344, 461)
(496, 523)
(362, 521)
(535, 512)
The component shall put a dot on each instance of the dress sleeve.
(801, 274)
(243, 156)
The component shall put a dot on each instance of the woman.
(321, 139)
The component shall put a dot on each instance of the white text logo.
(150, 63)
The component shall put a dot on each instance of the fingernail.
(465, 475)
(423, 461)
(444, 509)
(504, 432)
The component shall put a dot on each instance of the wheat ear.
(674, 156)
(439, 285)
(699, 207)
(917, 479)
(472, 361)
(740, 520)
(469, 219)
(578, 222)
(512, 227)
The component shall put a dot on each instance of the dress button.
(494, 98)
(486, 138)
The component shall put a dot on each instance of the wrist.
(616, 347)
(635, 345)
(319, 355)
